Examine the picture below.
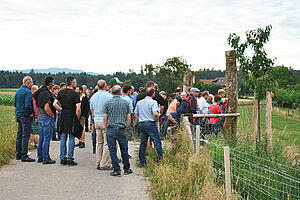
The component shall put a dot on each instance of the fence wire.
(253, 177)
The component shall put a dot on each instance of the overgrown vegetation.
(7, 134)
(7, 100)
(180, 175)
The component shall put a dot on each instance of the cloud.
(114, 35)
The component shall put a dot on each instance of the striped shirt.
(117, 110)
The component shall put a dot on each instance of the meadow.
(8, 130)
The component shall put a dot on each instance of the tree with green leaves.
(257, 67)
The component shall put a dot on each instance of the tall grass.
(7, 134)
(7, 99)
(181, 175)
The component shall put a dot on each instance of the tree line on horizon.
(168, 76)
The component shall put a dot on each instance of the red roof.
(206, 81)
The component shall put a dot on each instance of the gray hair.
(116, 90)
(101, 84)
(34, 88)
(27, 79)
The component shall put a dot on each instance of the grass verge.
(180, 174)
(7, 134)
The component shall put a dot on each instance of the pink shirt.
(214, 109)
(172, 107)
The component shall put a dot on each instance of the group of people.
(114, 110)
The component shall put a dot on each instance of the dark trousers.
(94, 139)
(149, 130)
(164, 129)
(119, 135)
(86, 123)
(23, 134)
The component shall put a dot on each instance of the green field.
(7, 134)
(7, 99)
(284, 128)
(8, 89)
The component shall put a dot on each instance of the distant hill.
(55, 70)
(296, 72)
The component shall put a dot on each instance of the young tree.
(257, 67)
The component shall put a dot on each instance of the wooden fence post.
(255, 120)
(188, 80)
(230, 125)
(227, 173)
(268, 123)
(197, 139)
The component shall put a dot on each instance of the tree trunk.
(230, 125)
(255, 120)
(188, 80)
(268, 123)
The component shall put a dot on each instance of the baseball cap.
(115, 80)
(195, 90)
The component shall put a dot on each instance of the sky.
(105, 36)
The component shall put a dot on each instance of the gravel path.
(37, 181)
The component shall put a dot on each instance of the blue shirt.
(97, 103)
(23, 102)
(145, 108)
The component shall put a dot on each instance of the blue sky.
(108, 36)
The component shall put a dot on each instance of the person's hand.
(31, 115)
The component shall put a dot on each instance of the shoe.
(117, 173)
(49, 161)
(18, 157)
(63, 162)
(82, 145)
(120, 160)
(130, 157)
(142, 165)
(39, 160)
(55, 139)
(98, 166)
(78, 144)
(27, 159)
(128, 171)
(71, 162)
(106, 168)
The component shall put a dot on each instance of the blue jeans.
(215, 129)
(149, 129)
(63, 147)
(46, 129)
(119, 135)
(164, 128)
(94, 139)
(23, 134)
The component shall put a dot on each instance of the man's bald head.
(101, 84)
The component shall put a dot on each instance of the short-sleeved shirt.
(129, 101)
(203, 105)
(172, 107)
(214, 109)
(97, 102)
(68, 99)
(117, 110)
(145, 108)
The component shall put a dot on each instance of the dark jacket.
(158, 97)
(23, 102)
(43, 96)
(182, 108)
(85, 106)
(191, 107)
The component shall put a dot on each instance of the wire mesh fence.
(253, 177)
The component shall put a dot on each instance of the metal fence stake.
(227, 173)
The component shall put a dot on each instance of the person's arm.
(136, 116)
(156, 116)
(78, 110)
(105, 120)
(29, 104)
(56, 106)
(128, 119)
(193, 106)
(48, 110)
(93, 115)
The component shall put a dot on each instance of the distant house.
(219, 81)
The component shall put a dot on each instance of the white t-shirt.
(203, 105)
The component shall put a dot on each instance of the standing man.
(46, 115)
(86, 123)
(147, 113)
(85, 108)
(126, 97)
(116, 117)
(97, 102)
(70, 108)
(24, 117)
